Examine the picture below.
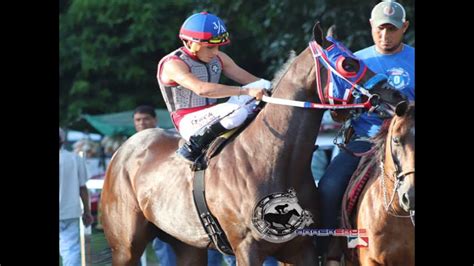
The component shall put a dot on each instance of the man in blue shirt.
(389, 56)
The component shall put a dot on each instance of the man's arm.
(178, 71)
(86, 216)
(83, 193)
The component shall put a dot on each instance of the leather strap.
(208, 221)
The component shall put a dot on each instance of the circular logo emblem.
(388, 11)
(277, 216)
(214, 68)
(398, 78)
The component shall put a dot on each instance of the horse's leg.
(246, 253)
(301, 253)
(188, 255)
(125, 227)
(365, 258)
(335, 251)
(128, 239)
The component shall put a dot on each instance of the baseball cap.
(388, 12)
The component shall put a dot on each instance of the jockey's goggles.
(218, 39)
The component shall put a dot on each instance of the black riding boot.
(192, 149)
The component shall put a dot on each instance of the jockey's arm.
(178, 71)
(235, 72)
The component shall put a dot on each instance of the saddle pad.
(354, 189)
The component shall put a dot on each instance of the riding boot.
(192, 149)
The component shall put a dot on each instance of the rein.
(318, 54)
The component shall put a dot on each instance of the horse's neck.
(286, 135)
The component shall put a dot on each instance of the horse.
(281, 208)
(387, 204)
(147, 190)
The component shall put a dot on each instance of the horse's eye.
(347, 66)
(396, 140)
(350, 65)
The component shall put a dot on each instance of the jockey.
(188, 78)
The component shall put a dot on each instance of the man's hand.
(87, 218)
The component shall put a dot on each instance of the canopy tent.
(122, 123)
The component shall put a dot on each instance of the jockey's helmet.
(204, 27)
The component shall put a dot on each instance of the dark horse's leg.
(246, 252)
(187, 255)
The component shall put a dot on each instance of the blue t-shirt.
(400, 70)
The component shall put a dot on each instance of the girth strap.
(209, 222)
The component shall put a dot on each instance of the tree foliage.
(109, 50)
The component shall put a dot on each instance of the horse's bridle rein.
(370, 104)
(399, 178)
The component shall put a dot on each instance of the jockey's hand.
(257, 93)
(266, 84)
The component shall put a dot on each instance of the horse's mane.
(379, 139)
(279, 74)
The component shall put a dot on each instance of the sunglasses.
(219, 39)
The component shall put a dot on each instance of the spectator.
(72, 190)
(388, 56)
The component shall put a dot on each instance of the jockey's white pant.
(193, 122)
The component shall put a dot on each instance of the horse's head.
(400, 146)
(349, 80)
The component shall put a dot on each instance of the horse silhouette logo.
(282, 219)
(281, 208)
(277, 216)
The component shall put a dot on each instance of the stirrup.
(187, 154)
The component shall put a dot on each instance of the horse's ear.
(318, 36)
(401, 108)
(318, 33)
(332, 31)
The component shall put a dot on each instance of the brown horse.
(148, 189)
(387, 202)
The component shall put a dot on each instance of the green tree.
(109, 50)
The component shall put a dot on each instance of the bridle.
(399, 177)
(357, 90)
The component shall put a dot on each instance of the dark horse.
(281, 208)
(387, 202)
(148, 189)
(282, 219)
